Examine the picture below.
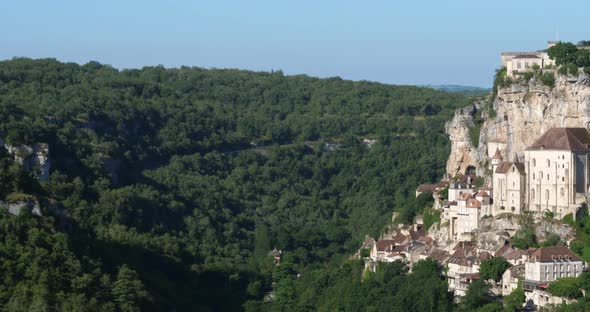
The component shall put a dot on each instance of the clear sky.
(400, 42)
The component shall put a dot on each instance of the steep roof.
(555, 253)
(385, 245)
(505, 166)
(569, 139)
(473, 203)
(515, 254)
(426, 188)
(482, 193)
(497, 155)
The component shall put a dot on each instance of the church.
(554, 176)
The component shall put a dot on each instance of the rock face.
(35, 158)
(463, 153)
(523, 112)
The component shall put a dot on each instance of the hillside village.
(525, 172)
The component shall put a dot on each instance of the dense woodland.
(169, 187)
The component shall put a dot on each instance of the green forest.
(169, 187)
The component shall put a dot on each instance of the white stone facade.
(509, 185)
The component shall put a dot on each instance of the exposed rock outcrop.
(525, 112)
(35, 158)
(522, 113)
(463, 153)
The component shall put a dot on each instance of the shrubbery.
(548, 79)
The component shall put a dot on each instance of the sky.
(397, 42)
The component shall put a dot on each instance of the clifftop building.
(519, 62)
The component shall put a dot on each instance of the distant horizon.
(426, 43)
(245, 69)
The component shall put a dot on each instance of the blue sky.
(400, 42)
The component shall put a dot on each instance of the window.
(548, 163)
(534, 162)
(541, 175)
(546, 194)
(562, 179)
(547, 177)
(561, 192)
(533, 193)
(533, 176)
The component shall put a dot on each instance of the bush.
(587, 69)
(569, 69)
(474, 135)
(526, 76)
(493, 268)
(548, 79)
(565, 287)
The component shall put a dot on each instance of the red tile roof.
(385, 245)
(473, 203)
(482, 193)
(426, 188)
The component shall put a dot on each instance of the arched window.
(534, 162)
(562, 192)
(548, 163)
(546, 194)
(533, 176)
(532, 193)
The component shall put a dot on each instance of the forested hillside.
(169, 187)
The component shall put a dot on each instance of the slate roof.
(555, 253)
(569, 139)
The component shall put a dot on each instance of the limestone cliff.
(525, 111)
(520, 113)
(463, 153)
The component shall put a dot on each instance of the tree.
(128, 290)
(492, 269)
(515, 300)
(563, 53)
(478, 295)
(565, 287)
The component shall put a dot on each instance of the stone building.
(463, 216)
(557, 171)
(519, 62)
(545, 265)
(548, 264)
(509, 187)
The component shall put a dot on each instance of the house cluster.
(533, 268)
(551, 177)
